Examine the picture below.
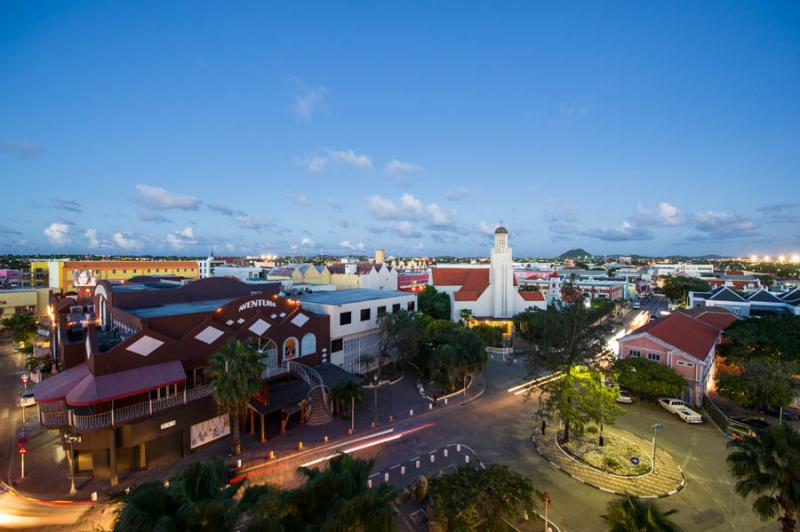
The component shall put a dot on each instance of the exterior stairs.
(320, 414)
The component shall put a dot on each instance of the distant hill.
(573, 254)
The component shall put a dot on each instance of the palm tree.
(631, 514)
(342, 395)
(464, 316)
(149, 507)
(768, 465)
(235, 372)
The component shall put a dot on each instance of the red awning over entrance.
(97, 389)
(55, 388)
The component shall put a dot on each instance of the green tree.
(469, 496)
(434, 303)
(767, 466)
(235, 372)
(760, 382)
(648, 379)
(344, 395)
(464, 316)
(631, 514)
(457, 353)
(401, 336)
(677, 288)
(579, 397)
(22, 326)
(491, 336)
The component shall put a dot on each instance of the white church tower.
(501, 276)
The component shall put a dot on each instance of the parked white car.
(679, 408)
(624, 396)
(26, 398)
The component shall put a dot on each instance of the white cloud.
(409, 208)
(458, 193)
(57, 233)
(345, 244)
(127, 241)
(627, 231)
(301, 200)
(306, 242)
(91, 238)
(341, 158)
(488, 229)
(181, 239)
(159, 198)
(666, 215)
(308, 99)
(395, 167)
(405, 229)
(723, 225)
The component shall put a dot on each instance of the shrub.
(419, 488)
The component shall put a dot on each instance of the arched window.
(290, 348)
(308, 345)
(268, 350)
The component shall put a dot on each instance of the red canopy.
(97, 389)
(55, 388)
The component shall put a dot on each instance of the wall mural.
(209, 430)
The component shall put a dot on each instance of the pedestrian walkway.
(667, 479)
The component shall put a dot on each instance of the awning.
(56, 387)
(97, 389)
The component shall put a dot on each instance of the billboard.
(209, 430)
(81, 278)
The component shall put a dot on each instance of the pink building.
(685, 341)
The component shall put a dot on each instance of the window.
(345, 318)
(308, 345)
(290, 348)
(410, 306)
(634, 354)
(337, 345)
(685, 364)
(113, 271)
(164, 392)
(148, 270)
(134, 271)
(395, 307)
(365, 314)
(653, 356)
(381, 311)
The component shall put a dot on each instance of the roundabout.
(623, 468)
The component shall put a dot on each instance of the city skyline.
(165, 130)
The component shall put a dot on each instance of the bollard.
(300, 445)
(445, 453)
(94, 496)
(349, 431)
(239, 463)
(525, 515)
(466, 458)
(369, 482)
(417, 464)
(402, 470)
(445, 401)
(386, 477)
(391, 418)
(271, 455)
(433, 458)
(411, 412)
(430, 406)
(325, 438)
(166, 483)
(458, 448)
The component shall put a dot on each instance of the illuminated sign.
(168, 424)
(255, 303)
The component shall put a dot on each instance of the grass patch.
(614, 457)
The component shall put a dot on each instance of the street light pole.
(655, 428)
(375, 413)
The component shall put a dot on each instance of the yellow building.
(24, 300)
(67, 276)
(301, 274)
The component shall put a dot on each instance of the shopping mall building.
(133, 361)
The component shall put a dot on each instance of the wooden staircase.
(320, 414)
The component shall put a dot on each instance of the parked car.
(679, 408)
(26, 398)
(624, 396)
(740, 427)
(637, 305)
(775, 411)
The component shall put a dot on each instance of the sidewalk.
(46, 471)
(667, 480)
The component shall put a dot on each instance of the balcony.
(58, 415)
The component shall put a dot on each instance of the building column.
(263, 435)
(252, 423)
(112, 458)
(141, 461)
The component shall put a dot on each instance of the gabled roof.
(723, 293)
(473, 281)
(791, 295)
(685, 333)
(762, 296)
(531, 295)
(719, 317)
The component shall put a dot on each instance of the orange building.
(68, 276)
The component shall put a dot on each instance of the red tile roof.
(473, 281)
(717, 316)
(683, 332)
(531, 295)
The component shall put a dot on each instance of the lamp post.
(375, 387)
(72, 439)
(656, 428)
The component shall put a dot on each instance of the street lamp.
(375, 387)
(72, 439)
(656, 428)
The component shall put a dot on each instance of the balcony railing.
(62, 417)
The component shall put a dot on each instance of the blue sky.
(653, 128)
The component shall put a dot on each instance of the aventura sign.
(255, 303)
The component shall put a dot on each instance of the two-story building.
(686, 341)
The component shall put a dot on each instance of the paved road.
(498, 427)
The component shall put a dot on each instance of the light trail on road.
(20, 511)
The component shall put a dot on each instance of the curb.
(613, 492)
